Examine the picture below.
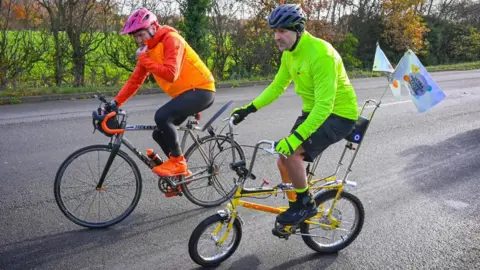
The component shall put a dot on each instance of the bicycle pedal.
(280, 232)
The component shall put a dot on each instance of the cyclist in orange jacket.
(179, 71)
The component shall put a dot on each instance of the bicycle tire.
(192, 148)
(197, 233)
(324, 196)
(68, 161)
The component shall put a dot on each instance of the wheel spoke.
(219, 175)
(112, 197)
(348, 212)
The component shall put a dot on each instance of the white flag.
(410, 73)
(381, 62)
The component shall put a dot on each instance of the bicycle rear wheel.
(76, 181)
(219, 183)
(350, 220)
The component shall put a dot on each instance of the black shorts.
(334, 129)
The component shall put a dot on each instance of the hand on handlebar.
(111, 106)
(272, 149)
(243, 112)
(232, 118)
(108, 107)
(114, 104)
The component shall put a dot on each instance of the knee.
(156, 135)
(161, 118)
(281, 163)
(292, 160)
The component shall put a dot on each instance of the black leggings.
(175, 112)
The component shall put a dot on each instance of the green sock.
(301, 190)
(302, 193)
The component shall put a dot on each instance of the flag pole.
(389, 79)
(384, 66)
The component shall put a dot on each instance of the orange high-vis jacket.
(175, 66)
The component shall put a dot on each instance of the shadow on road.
(247, 262)
(35, 252)
(252, 262)
(444, 164)
(324, 261)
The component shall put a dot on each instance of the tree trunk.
(58, 61)
(3, 80)
(78, 56)
(3, 63)
(334, 12)
(78, 68)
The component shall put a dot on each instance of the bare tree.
(60, 39)
(249, 48)
(82, 22)
(19, 49)
(223, 17)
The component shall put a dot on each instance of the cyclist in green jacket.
(329, 104)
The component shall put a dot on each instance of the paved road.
(417, 176)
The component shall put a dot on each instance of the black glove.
(242, 112)
(112, 106)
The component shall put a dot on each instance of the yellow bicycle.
(224, 228)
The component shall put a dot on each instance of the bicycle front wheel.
(78, 197)
(209, 162)
(204, 246)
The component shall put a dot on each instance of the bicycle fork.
(113, 153)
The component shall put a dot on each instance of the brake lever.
(272, 150)
(227, 119)
(94, 127)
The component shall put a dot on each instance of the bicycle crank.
(165, 186)
(283, 231)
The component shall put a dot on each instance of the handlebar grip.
(106, 129)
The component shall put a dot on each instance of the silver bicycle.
(98, 186)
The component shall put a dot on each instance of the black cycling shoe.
(290, 203)
(299, 211)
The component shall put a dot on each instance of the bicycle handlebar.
(230, 121)
(104, 124)
(107, 105)
(102, 115)
(270, 150)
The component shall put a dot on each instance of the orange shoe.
(172, 167)
(172, 193)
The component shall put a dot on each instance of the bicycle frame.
(330, 183)
(189, 129)
(349, 145)
(243, 192)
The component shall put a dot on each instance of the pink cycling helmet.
(139, 19)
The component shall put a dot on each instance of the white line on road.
(387, 104)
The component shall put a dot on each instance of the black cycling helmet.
(288, 16)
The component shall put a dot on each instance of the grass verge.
(16, 93)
